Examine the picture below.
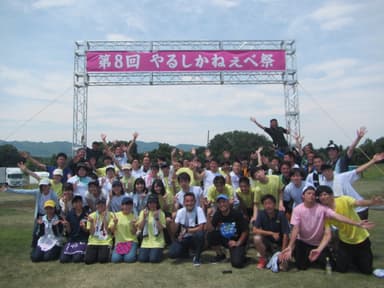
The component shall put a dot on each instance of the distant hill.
(47, 149)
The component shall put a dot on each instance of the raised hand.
(361, 132)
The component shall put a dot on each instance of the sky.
(339, 54)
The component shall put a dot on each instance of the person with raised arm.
(61, 163)
(310, 235)
(277, 134)
(338, 161)
(354, 246)
(341, 183)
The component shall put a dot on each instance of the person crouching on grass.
(310, 233)
(271, 230)
(354, 245)
(123, 226)
(189, 227)
(228, 228)
(100, 240)
(49, 235)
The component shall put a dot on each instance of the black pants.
(302, 251)
(76, 258)
(97, 253)
(179, 249)
(237, 254)
(359, 255)
(38, 255)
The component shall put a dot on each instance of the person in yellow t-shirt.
(219, 187)
(100, 238)
(152, 223)
(123, 226)
(245, 193)
(354, 245)
(266, 184)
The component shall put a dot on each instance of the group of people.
(295, 206)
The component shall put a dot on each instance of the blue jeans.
(153, 255)
(130, 257)
(179, 249)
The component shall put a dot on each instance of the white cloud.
(335, 15)
(45, 4)
(118, 37)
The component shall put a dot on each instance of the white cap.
(44, 181)
(58, 172)
(126, 167)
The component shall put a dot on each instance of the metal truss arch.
(83, 78)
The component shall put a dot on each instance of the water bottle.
(328, 267)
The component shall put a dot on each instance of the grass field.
(16, 269)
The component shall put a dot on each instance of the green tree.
(164, 150)
(9, 156)
(241, 144)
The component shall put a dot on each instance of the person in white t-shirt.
(188, 229)
(184, 181)
(341, 183)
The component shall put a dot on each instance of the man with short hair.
(354, 245)
(277, 134)
(294, 190)
(185, 184)
(313, 177)
(341, 183)
(245, 194)
(235, 174)
(310, 235)
(228, 228)
(188, 227)
(61, 163)
(271, 230)
(266, 184)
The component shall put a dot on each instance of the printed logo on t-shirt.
(228, 230)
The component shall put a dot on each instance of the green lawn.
(16, 269)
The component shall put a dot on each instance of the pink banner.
(188, 61)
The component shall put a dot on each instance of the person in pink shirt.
(310, 235)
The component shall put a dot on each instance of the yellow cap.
(49, 203)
